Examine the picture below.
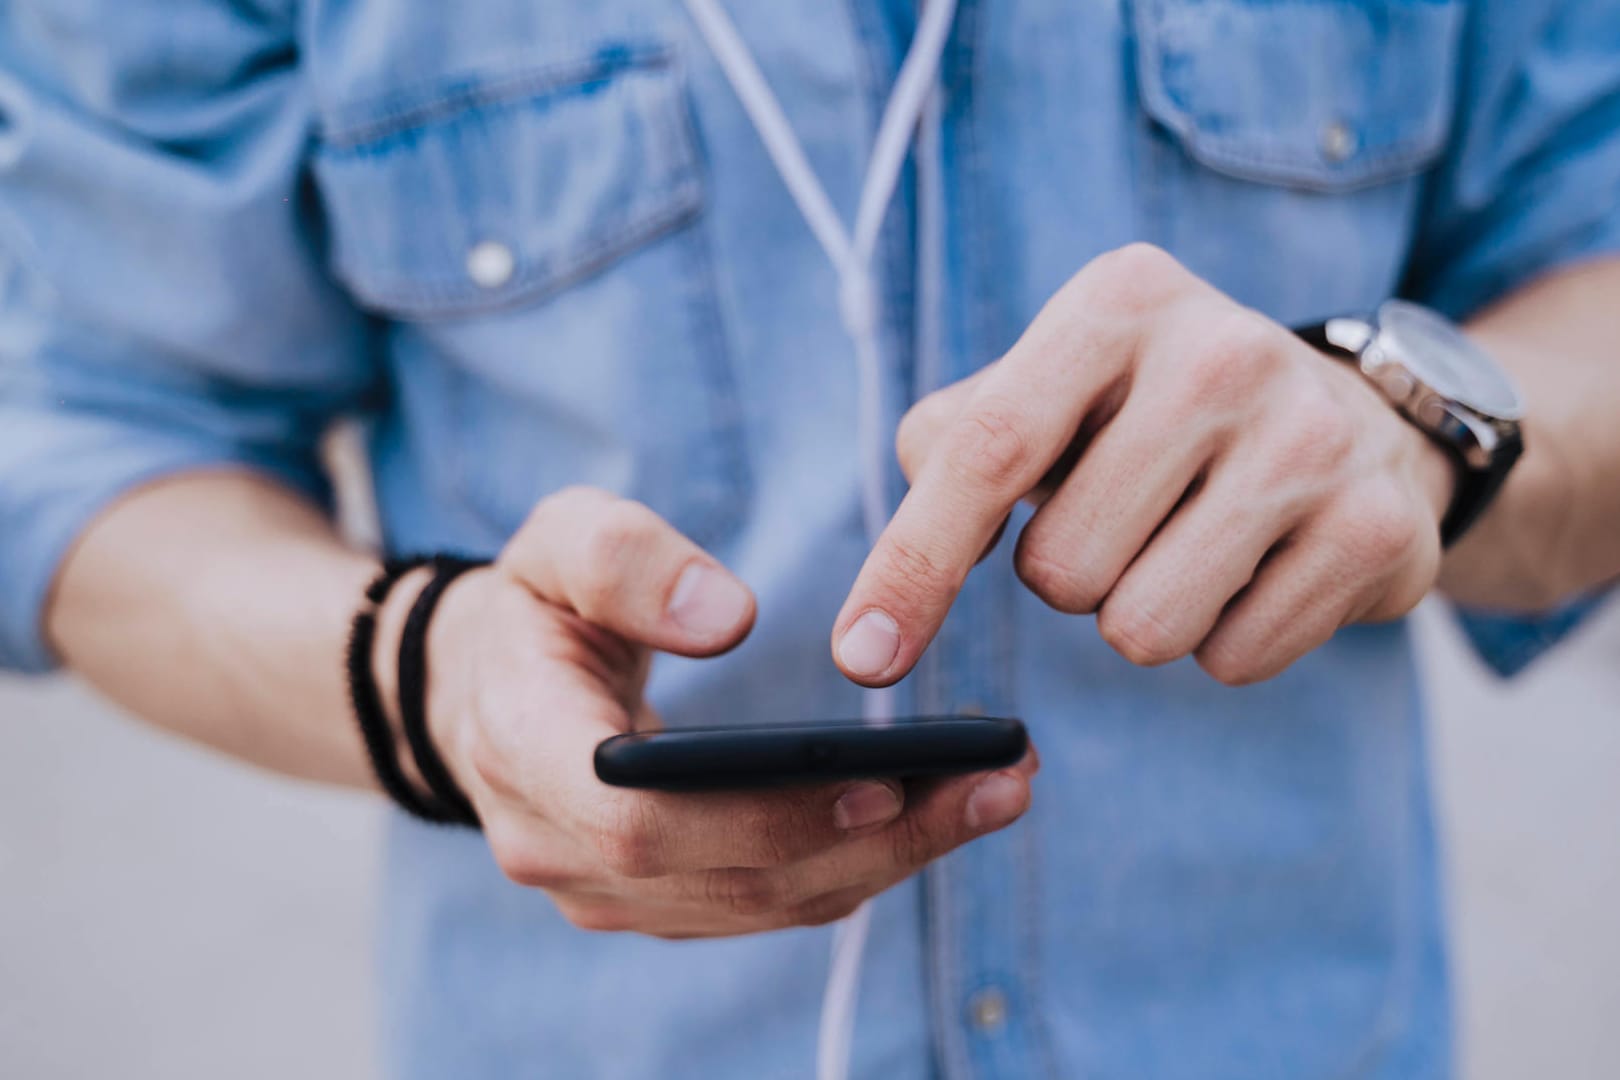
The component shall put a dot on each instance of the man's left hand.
(1205, 482)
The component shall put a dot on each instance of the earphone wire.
(851, 257)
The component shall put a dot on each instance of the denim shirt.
(538, 243)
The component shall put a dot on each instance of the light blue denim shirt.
(223, 224)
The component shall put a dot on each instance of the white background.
(166, 914)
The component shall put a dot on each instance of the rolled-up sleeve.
(163, 300)
(1532, 178)
(1531, 184)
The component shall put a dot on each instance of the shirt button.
(987, 1009)
(971, 708)
(1339, 142)
(490, 264)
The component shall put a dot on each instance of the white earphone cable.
(858, 302)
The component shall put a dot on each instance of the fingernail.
(866, 804)
(868, 647)
(997, 800)
(707, 600)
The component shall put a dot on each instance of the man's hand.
(1206, 484)
(538, 658)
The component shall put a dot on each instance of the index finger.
(1011, 431)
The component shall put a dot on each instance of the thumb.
(618, 565)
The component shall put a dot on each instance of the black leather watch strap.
(1315, 335)
(1477, 487)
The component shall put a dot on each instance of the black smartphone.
(730, 758)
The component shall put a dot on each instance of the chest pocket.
(534, 240)
(1293, 136)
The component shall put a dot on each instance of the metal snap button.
(490, 264)
(987, 1009)
(1339, 142)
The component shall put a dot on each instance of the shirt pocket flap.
(1316, 94)
(479, 193)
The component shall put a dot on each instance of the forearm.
(1555, 528)
(217, 605)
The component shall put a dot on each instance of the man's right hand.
(543, 655)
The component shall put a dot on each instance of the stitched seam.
(431, 298)
(1388, 162)
(953, 1039)
(734, 468)
(430, 100)
(734, 477)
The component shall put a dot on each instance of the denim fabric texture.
(537, 243)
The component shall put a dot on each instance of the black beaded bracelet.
(375, 731)
(413, 676)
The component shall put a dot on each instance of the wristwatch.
(1446, 386)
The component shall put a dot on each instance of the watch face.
(1452, 365)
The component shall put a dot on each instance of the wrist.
(454, 625)
(390, 677)
(1436, 475)
(1405, 449)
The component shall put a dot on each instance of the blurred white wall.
(166, 915)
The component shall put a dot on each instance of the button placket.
(980, 899)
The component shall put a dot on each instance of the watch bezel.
(1398, 320)
(1471, 434)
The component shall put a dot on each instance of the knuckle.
(1228, 666)
(912, 438)
(618, 535)
(623, 525)
(916, 571)
(826, 909)
(992, 449)
(1241, 352)
(908, 446)
(601, 918)
(1130, 279)
(1059, 584)
(564, 503)
(575, 496)
(782, 834)
(1405, 592)
(1132, 629)
(783, 830)
(599, 591)
(520, 860)
(742, 892)
(1142, 259)
(631, 844)
(913, 843)
(1315, 436)
(1381, 528)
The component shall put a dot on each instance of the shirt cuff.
(32, 552)
(1509, 642)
